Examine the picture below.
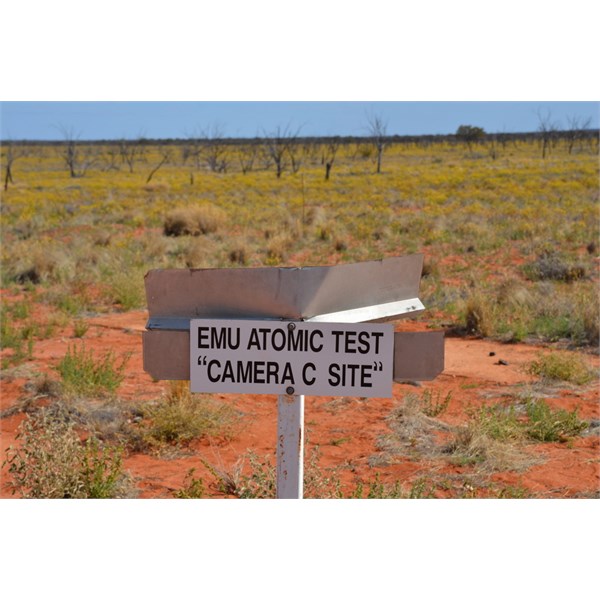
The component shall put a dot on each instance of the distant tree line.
(559, 135)
(284, 149)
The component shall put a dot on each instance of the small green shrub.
(81, 373)
(376, 490)
(513, 492)
(101, 469)
(52, 462)
(498, 422)
(562, 366)
(126, 289)
(547, 425)
(193, 487)
(80, 328)
(432, 403)
(19, 310)
(19, 339)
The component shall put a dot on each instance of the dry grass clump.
(340, 245)
(154, 247)
(315, 216)
(510, 311)
(479, 315)
(197, 253)
(257, 479)
(181, 417)
(238, 255)
(194, 220)
(282, 222)
(512, 293)
(102, 238)
(562, 366)
(492, 440)
(587, 308)
(550, 265)
(110, 420)
(113, 421)
(159, 186)
(326, 231)
(495, 435)
(39, 263)
(278, 248)
(590, 318)
(475, 446)
(430, 268)
(412, 431)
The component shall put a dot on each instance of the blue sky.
(113, 120)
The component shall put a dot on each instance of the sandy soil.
(346, 430)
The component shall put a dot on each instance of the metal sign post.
(290, 359)
(290, 332)
(290, 447)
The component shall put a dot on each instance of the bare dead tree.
(110, 158)
(503, 137)
(276, 146)
(70, 152)
(190, 151)
(547, 129)
(77, 159)
(13, 153)
(493, 146)
(247, 154)
(213, 149)
(295, 152)
(377, 128)
(310, 151)
(165, 156)
(576, 129)
(329, 154)
(130, 150)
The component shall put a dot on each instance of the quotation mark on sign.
(201, 360)
(377, 366)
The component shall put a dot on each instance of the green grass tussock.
(181, 417)
(562, 366)
(84, 374)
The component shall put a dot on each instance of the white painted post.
(290, 447)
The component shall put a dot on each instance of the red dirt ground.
(346, 430)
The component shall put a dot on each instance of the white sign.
(285, 357)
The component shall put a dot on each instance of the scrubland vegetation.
(510, 238)
(510, 242)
